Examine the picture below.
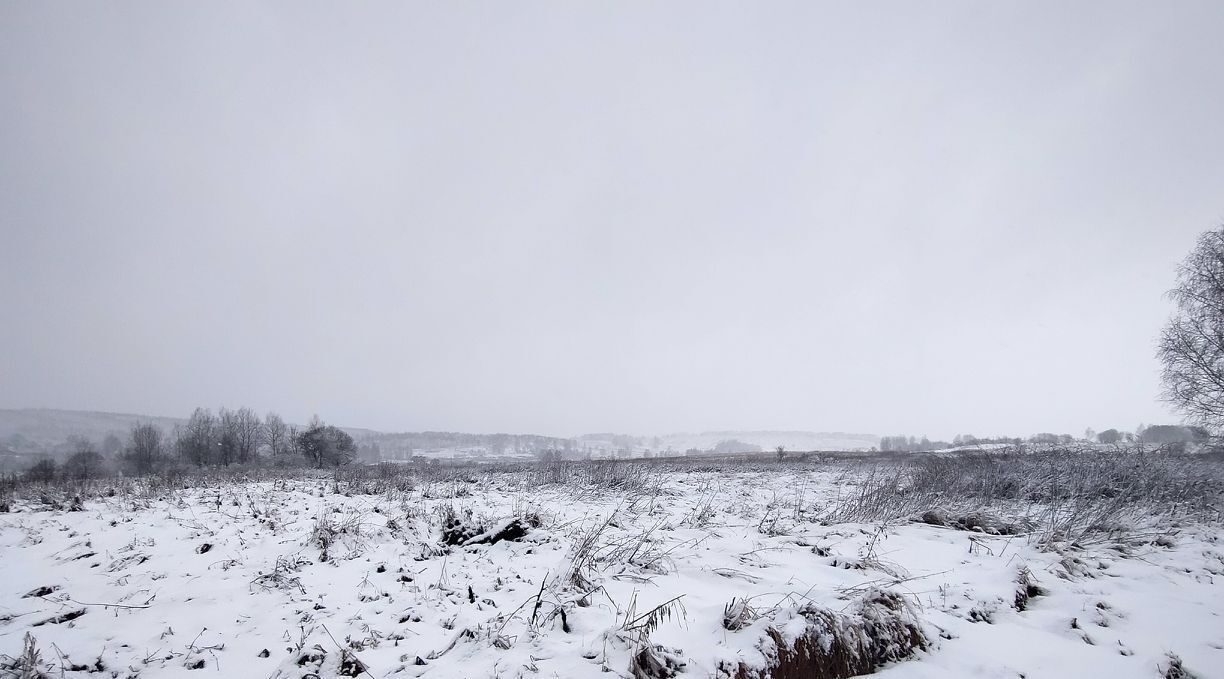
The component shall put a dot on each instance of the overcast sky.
(640, 217)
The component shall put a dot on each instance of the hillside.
(709, 440)
(49, 427)
(45, 430)
(38, 431)
(769, 440)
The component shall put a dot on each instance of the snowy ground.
(274, 579)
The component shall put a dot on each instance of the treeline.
(223, 439)
(403, 445)
(1159, 434)
(910, 444)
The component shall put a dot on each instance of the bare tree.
(197, 442)
(111, 445)
(277, 436)
(78, 443)
(295, 442)
(227, 437)
(248, 434)
(85, 463)
(42, 471)
(1191, 348)
(144, 451)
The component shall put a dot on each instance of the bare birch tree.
(1191, 348)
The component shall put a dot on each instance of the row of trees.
(1156, 434)
(240, 437)
(909, 444)
(85, 463)
(229, 437)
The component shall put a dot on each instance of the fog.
(637, 217)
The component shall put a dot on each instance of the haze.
(640, 217)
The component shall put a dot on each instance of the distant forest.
(47, 444)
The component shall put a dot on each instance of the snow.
(157, 601)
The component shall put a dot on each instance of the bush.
(823, 644)
(83, 466)
(326, 445)
(42, 471)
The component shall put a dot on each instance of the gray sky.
(643, 217)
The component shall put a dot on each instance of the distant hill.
(38, 431)
(748, 440)
(769, 440)
(45, 430)
(48, 427)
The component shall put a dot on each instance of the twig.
(82, 603)
(61, 657)
(197, 638)
(522, 605)
(539, 599)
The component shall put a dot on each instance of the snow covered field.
(606, 572)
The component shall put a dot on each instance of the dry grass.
(1057, 496)
(880, 629)
(28, 665)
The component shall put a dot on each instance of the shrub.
(831, 645)
(326, 445)
(42, 471)
(83, 466)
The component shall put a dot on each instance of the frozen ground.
(313, 577)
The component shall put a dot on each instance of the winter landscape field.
(639, 340)
(1001, 564)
